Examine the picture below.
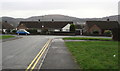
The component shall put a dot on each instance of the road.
(19, 53)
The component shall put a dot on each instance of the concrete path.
(59, 57)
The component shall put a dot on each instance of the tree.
(72, 28)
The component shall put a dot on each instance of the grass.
(6, 36)
(86, 38)
(95, 54)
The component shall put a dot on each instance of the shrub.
(72, 28)
(32, 31)
(13, 31)
(107, 33)
(95, 32)
(8, 31)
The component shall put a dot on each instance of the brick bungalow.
(99, 26)
(63, 26)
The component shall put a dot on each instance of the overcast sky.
(75, 8)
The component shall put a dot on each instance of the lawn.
(86, 38)
(6, 36)
(95, 54)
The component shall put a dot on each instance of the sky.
(75, 8)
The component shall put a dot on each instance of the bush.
(13, 31)
(8, 31)
(107, 33)
(95, 32)
(72, 28)
(32, 31)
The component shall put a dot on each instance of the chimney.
(108, 19)
(39, 20)
(5, 21)
(52, 19)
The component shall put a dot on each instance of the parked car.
(19, 32)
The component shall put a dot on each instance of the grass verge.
(86, 38)
(95, 54)
(6, 36)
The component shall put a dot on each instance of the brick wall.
(94, 27)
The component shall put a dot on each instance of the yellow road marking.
(38, 56)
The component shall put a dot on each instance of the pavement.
(58, 57)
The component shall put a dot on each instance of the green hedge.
(32, 31)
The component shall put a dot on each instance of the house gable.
(66, 28)
(95, 28)
(21, 26)
(5, 25)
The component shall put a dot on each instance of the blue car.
(19, 32)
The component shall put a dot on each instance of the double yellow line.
(38, 57)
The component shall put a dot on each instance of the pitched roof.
(5, 25)
(103, 24)
(78, 26)
(46, 24)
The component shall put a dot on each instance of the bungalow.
(99, 26)
(55, 26)
(5, 27)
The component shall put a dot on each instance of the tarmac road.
(18, 54)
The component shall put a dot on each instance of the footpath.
(58, 57)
